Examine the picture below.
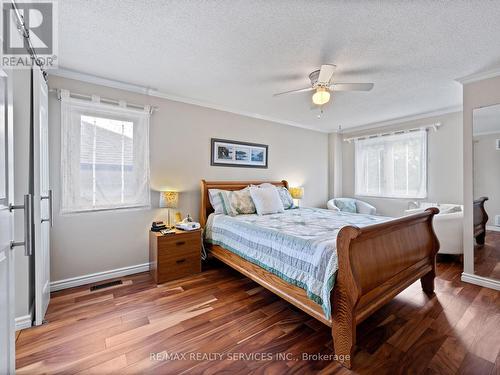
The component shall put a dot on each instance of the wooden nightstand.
(175, 255)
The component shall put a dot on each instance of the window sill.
(122, 208)
(388, 197)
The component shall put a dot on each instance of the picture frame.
(228, 153)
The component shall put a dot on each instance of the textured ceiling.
(236, 54)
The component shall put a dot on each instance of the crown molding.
(479, 76)
(153, 92)
(399, 120)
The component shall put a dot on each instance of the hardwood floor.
(134, 327)
(487, 256)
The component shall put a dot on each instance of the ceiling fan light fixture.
(321, 96)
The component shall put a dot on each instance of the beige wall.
(180, 156)
(444, 183)
(476, 94)
(487, 173)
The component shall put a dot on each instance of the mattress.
(299, 245)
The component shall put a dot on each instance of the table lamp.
(168, 200)
(297, 193)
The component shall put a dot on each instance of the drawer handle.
(180, 261)
(180, 243)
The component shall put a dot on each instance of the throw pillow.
(346, 205)
(285, 197)
(237, 202)
(266, 200)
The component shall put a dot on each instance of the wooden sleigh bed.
(480, 219)
(375, 264)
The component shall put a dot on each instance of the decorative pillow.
(451, 209)
(216, 200)
(285, 197)
(267, 200)
(346, 205)
(237, 202)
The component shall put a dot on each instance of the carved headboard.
(206, 208)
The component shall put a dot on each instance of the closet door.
(42, 195)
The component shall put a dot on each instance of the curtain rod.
(434, 127)
(103, 100)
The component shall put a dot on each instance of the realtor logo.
(40, 23)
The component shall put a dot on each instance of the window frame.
(94, 108)
(389, 196)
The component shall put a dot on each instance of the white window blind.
(393, 166)
(104, 156)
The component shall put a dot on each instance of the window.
(104, 156)
(393, 166)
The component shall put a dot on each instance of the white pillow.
(283, 192)
(267, 200)
(216, 200)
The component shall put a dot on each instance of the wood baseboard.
(98, 276)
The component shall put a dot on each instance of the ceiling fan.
(321, 82)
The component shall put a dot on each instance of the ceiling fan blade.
(352, 86)
(294, 91)
(325, 74)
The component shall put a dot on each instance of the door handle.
(49, 197)
(28, 209)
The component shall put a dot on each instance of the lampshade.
(321, 96)
(169, 199)
(296, 192)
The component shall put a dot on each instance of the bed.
(373, 263)
(480, 219)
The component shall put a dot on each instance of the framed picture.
(226, 153)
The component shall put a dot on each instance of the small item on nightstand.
(158, 226)
(188, 224)
(166, 232)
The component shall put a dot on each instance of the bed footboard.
(375, 264)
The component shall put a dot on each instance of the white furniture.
(448, 225)
(361, 207)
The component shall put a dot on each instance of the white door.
(42, 196)
(7, 330)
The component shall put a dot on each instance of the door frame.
(8, 253)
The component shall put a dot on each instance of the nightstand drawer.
(179, 246)
(175, 268)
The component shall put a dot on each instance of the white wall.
(445, 176)
(180, 156)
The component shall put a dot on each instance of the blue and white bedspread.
(298, 245)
